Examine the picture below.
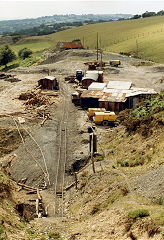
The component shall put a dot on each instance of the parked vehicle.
(105, 118)
(114, 63)
(91, 112)
(79, 75)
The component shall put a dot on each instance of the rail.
(62, 156)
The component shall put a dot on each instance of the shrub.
(139, 213)
(24, 53)
(54, 235)
(145, 117)
(160, 219)
(6, 55)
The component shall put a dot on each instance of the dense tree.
(160, 13)
(6, 55)
(148, 14)
(24, 53)
(136, 16)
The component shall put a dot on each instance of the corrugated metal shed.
(112, 97)
(96, 86)
(69, 45)
(140, 91)
(119, 85)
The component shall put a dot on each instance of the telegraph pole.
(137, 47)
(97, 46)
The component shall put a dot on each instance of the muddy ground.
(60, 65)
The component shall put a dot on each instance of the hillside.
(142, 38)
(11, 26)
(121, 36)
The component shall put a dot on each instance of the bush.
(160, 219)
(140, 213)
(6, 55)
(24, 53)
(146, 116)
(54, 235)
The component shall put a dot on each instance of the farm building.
(90, 77)
(48, 82)
(115, 99)
(69, 45)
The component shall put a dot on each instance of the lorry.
(91, 112)
(114, 63)
(105, 118)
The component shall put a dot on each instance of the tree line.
(52, 28)
(148, 14)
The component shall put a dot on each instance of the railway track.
(62, 155)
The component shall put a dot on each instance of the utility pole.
(97, 46)
(137, 48)
(83, 41)
(92, 145)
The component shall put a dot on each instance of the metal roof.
(140, 91)
(104, 96)
(93, 77)
(92, 94)
(95, 71)
(116, 95)
(75, 44)
(119, 85)
(97, 86)
(52, 78)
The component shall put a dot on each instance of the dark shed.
(48, 82)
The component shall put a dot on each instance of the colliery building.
(69, 45)
(115, 96)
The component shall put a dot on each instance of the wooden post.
(93, 165)
(75, 180)
(37, 207)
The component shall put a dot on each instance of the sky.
(20, 9)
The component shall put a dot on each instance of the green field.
(142, 37)
(121, 36)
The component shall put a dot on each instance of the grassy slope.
(108, 192)
(121, 36)
(116, 36)
(111, 191)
